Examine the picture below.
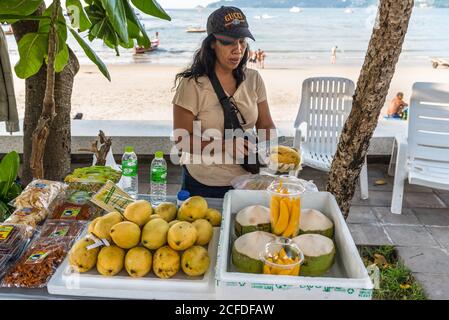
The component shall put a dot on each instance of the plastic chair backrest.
(428, 128)
(325, 105)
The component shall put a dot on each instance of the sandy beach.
(144, 91)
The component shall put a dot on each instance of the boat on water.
(349, 11)
(154, 46)
(195, 30)
(295, 9)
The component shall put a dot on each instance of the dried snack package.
(39, 194)
(58, 229)
(28, 216)
(111, 198)
(35, 268)
(13, 238)
(79, 196)
(69, 211)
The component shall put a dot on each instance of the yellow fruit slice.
(294, 220)
(282, 222)
(274, 209)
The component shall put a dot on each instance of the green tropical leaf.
(9, 166)
(135, 28)
(61, 26)
(4, 211)
(19, 7)
(11, 18)
(32, 50)
(62, 58)
(91, 54)
(78, 16)
(117, 17)
(152, 8)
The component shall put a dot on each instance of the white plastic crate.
(348, 278)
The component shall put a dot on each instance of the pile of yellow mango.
(291, 267)
(285, 213)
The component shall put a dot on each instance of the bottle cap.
(183, 195)
(129, 149)
(159, 154)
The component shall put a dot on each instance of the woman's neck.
(223, 73)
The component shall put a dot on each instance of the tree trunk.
(57, 150)
(372, 88)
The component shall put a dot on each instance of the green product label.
(60, 232)
(129, 168)
(159, 174)
(70, 212)
(5, 232)
(37, 257)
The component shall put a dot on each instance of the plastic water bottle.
(130, 182)
(158, 178)
(182, 196)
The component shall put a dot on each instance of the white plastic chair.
(325, 105)
(423, 157)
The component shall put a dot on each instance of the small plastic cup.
(285, 207)
(282, 257)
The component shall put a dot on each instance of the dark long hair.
(204, 61)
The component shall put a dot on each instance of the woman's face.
(230, 54)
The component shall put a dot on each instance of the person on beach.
(334, 54)
(252, 61)
(396, 106)
(220, 61)
(260, 55)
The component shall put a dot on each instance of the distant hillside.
(316, 3)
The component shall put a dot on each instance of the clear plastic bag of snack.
(68, 211)
(263, 180)
(13, 238)
(58, 229)
(36, 266)
(28, 216)
(39, 194)
(111, 198)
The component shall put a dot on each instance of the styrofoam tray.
(348, 278)
(67, 282)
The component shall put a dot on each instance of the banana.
(284, 215)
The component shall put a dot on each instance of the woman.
(223, 53)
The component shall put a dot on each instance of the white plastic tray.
(348, 278)
(92, 284)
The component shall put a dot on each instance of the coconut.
(319, 254)
(313, 221)
(252, 218)
(247, 249)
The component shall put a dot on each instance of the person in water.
(397, 106)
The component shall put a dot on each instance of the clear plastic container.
(285, 208)
(158, 178)
(129, 181)
(282, 257)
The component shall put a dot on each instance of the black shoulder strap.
(230, 118)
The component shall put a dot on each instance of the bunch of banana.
(285, 214)
(284, 159)
(282, 259)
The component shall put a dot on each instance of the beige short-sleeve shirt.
(201, 99)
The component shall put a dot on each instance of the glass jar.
(285, 208)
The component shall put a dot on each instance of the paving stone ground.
(420, 233)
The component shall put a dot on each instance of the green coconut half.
(319, 254)
(313, 221)
(246, 251)
(252, 218)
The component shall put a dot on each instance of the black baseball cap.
(228, 23)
